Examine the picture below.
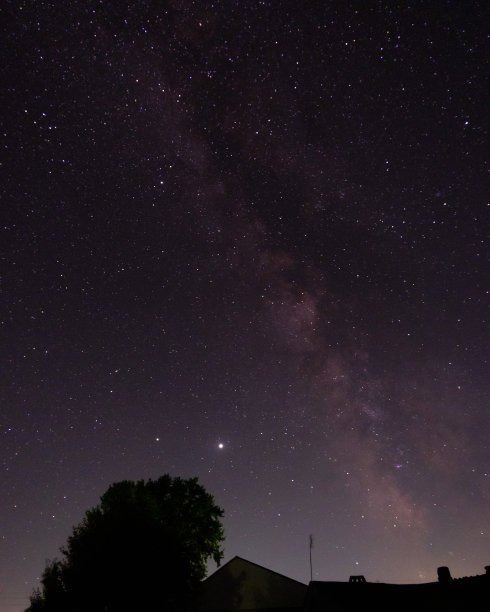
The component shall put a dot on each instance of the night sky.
(247, 241)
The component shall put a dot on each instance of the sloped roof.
(245, 562)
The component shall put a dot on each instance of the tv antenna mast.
(311, 565)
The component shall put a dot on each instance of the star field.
(248, 241)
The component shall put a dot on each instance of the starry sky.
(247, 241)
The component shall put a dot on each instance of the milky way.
(247, 241)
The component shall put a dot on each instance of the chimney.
(444, 575)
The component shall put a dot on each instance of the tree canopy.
(145, 546)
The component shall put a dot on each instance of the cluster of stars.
(246, 243)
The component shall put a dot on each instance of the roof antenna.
(311, 565)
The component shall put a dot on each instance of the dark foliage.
(144, 547)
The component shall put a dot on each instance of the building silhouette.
(241, 585)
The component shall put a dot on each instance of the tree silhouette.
(145, 546)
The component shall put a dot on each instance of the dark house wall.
(460, 595)
(244, 586)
